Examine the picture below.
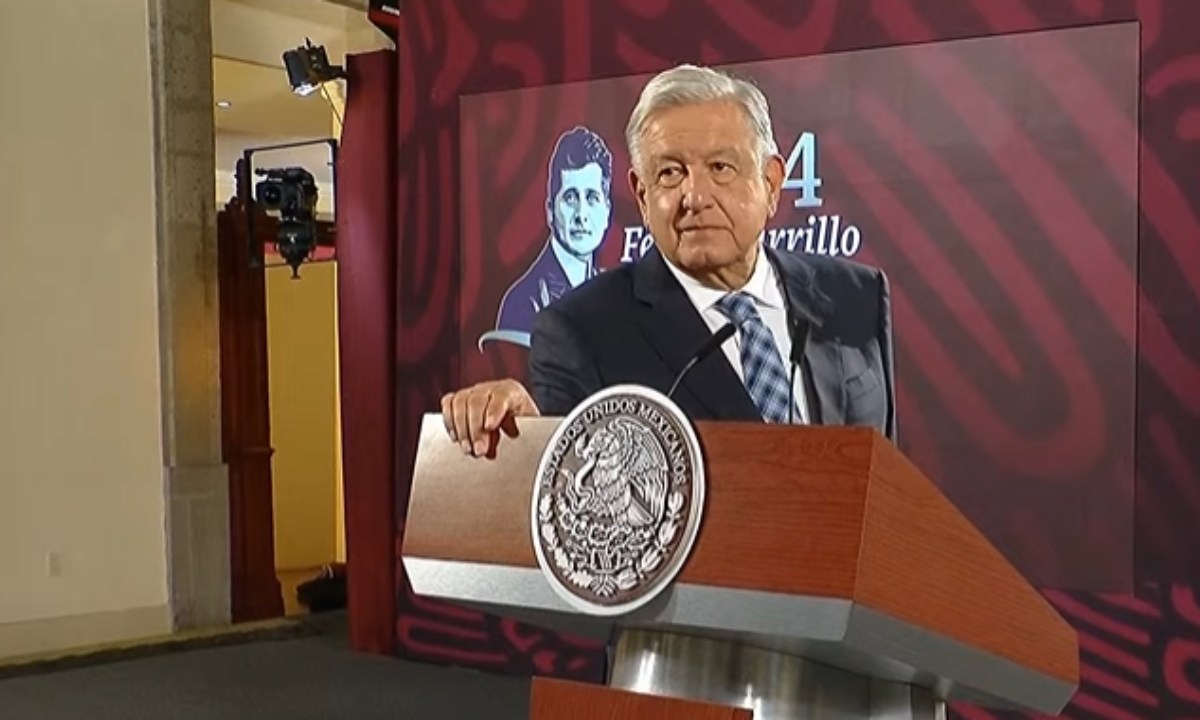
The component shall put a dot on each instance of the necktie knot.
(739, 308)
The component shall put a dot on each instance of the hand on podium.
(476, 415)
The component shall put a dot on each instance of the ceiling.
(332, 13)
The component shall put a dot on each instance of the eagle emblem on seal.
(618, 499)
(623, 478)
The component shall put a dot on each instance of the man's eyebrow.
(724, 152)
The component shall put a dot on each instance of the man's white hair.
(689, 85)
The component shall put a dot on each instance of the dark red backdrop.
(400, 266)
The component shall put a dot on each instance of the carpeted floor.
(313, 677)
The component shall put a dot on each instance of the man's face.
(701, 188)
(580, 211)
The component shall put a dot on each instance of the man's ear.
(638, 188)
(550, 205)
(773, 174)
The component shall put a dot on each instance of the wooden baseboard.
(23, 641)
(149, 646)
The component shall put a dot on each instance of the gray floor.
(311, 677)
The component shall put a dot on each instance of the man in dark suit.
(636, 324)
(813, 334)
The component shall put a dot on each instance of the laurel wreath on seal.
(604, 583)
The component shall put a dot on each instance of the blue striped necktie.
(763, 371)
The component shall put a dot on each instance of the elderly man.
(813, 334)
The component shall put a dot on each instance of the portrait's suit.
(542, 283)
(636, 324)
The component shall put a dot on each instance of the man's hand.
(474, 415)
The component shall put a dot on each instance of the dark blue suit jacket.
(542, 283)
(635, 324)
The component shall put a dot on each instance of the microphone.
(717, 340)
(800, 324)
(800, 331)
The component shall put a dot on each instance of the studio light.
(308, 68)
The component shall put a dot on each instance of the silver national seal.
(618, 500)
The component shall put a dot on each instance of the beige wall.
(302, 342)
(81, 466)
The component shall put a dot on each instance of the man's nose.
(697, 191)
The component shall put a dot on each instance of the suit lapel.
(822, 353)
(672, 326)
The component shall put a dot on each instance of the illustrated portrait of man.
(578, 209)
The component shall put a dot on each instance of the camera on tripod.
(292, 193)
(288, 194)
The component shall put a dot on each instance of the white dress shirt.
(771, 304)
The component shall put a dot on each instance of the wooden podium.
(829, 579)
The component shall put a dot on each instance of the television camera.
(291, 193)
